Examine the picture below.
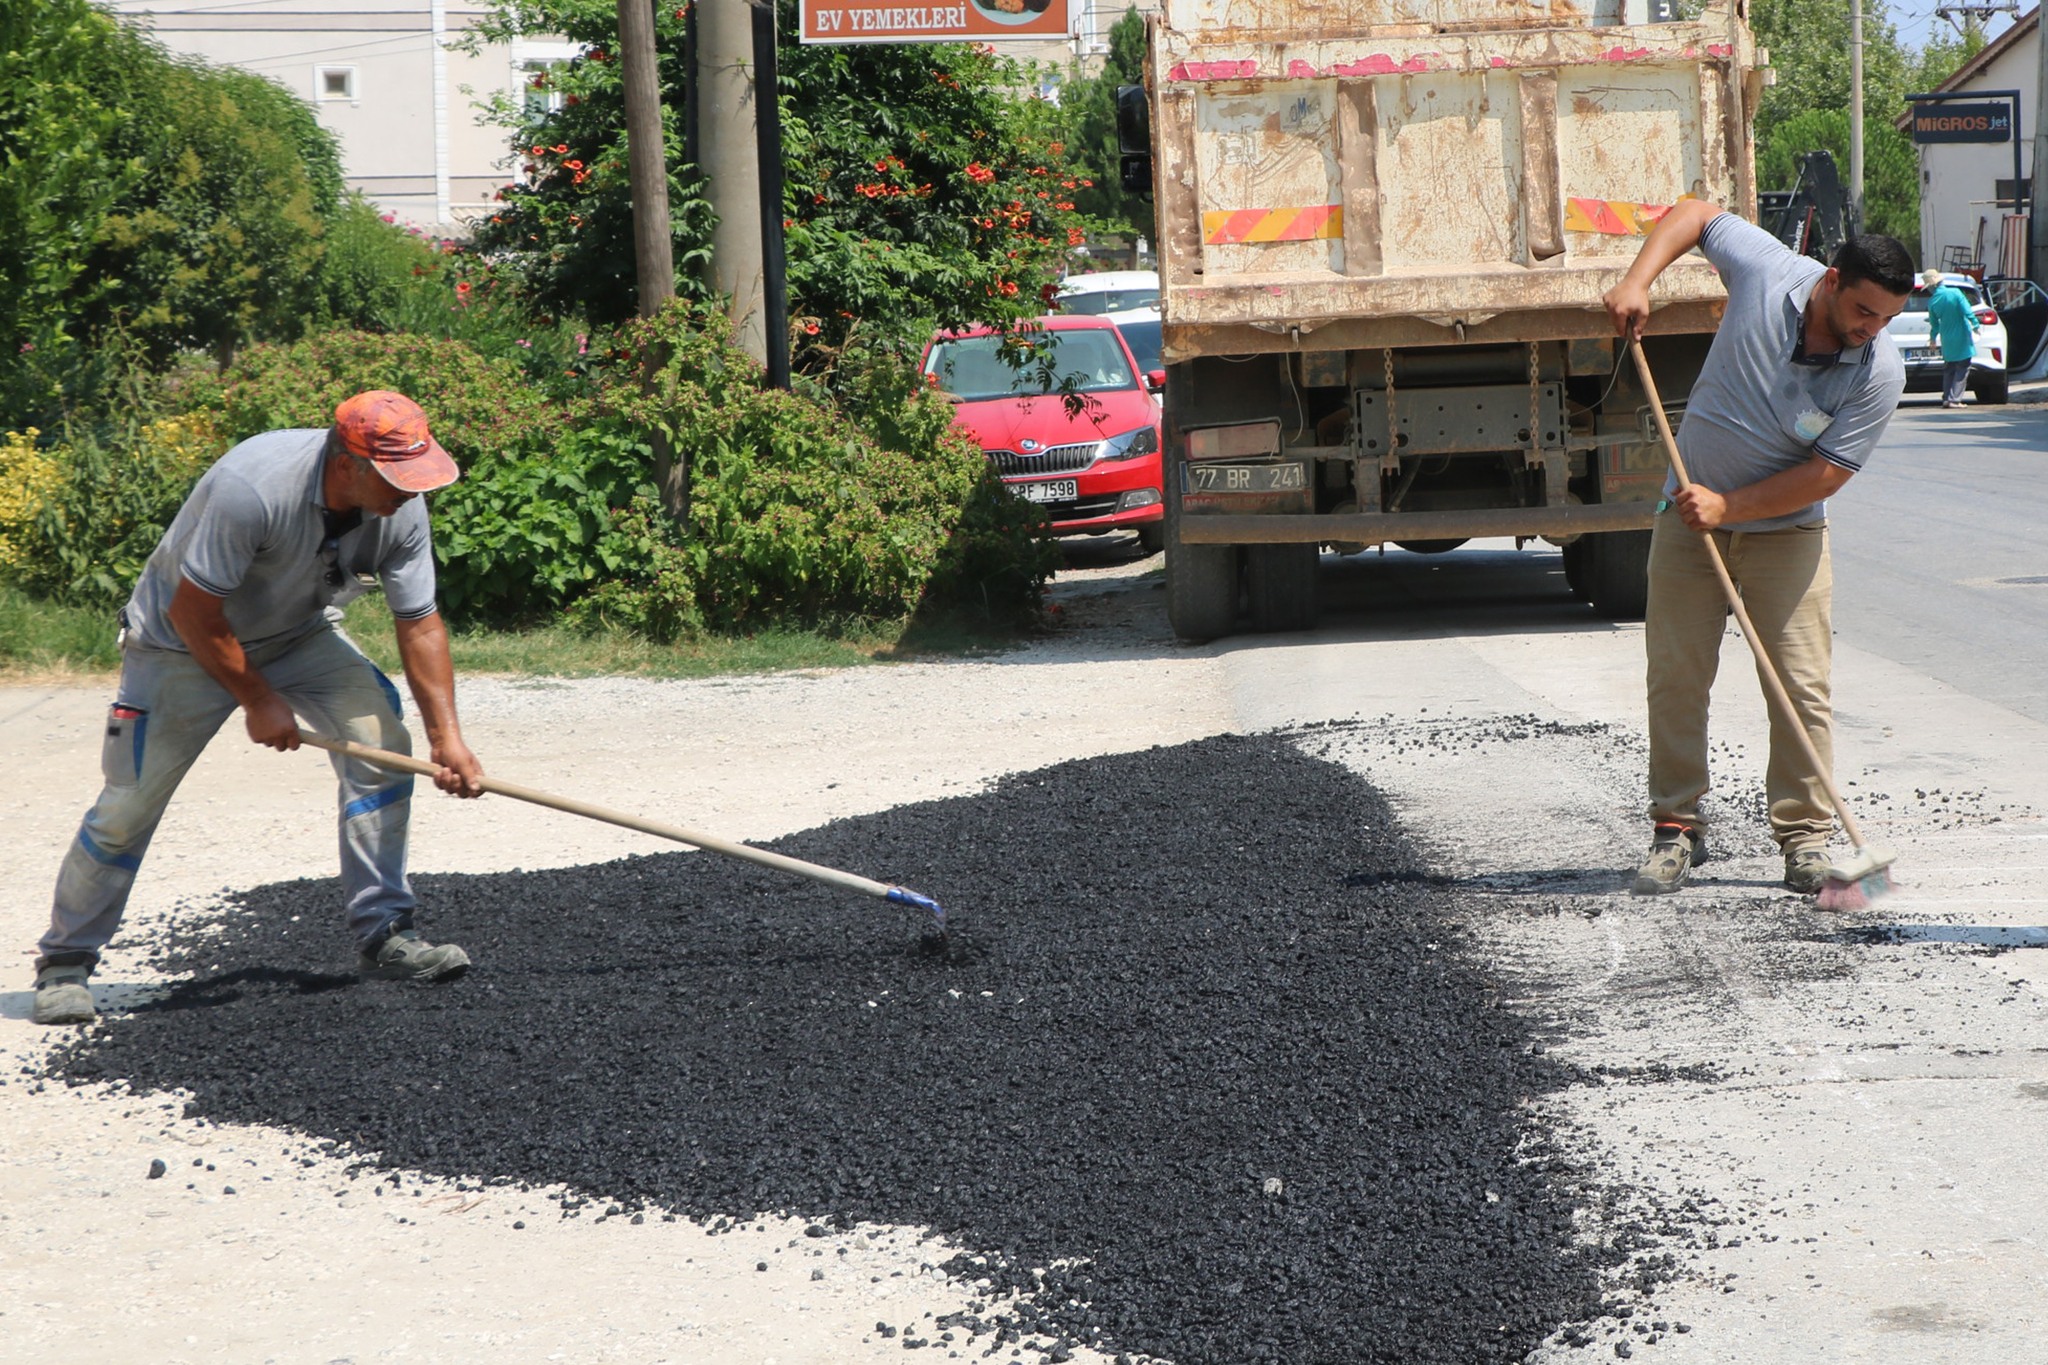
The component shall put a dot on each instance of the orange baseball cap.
(390, 430)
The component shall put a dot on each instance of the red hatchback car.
(1094, 470)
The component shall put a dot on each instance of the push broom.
(711, 843)
(1850, 885)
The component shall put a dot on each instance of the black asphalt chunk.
(1204, 1061)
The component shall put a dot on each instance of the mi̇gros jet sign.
(1962, 122)
(979, 21)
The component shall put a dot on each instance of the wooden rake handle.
(1773, 684)
(405, 763)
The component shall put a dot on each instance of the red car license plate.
(1048, 490)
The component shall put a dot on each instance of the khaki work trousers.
(1787, 584)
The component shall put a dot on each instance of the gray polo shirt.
(251, 532)
(1761, 405)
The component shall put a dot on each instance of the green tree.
(219, 243)
(59, 178)
(1943, 56)
(1090, 105)
(1808, 42)
(147, 206)
(920, 188)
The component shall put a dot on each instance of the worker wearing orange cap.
(240, 605)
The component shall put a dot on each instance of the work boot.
(1806, 869)
(405, 956)
(62, 997)
(1674, 851)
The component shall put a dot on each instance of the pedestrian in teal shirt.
(1949, 318)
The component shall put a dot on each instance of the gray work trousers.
(166, 711)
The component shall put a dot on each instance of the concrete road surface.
(1833, 1125)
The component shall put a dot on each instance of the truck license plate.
(1048, 490)
(1244, 478)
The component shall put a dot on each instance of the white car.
(1109, 291)
(1140, 327)
(1922, 353)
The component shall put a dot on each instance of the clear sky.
(1915, 20)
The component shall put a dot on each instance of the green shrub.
(94, 527)
(521, 538)
(373, 269)
(481, 409)
(380, 277)
(220, 242)
(797, 514)
(58, 179)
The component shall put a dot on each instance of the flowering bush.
(920, 189)
(98, 510)
(27, 478)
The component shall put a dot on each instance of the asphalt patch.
(1205, 1065)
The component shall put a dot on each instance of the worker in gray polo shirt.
(1798, 386)
(238, 606)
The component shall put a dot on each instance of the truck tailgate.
(1380, 173)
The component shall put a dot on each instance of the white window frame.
(530, 57)
(523, 72)
(349, 94)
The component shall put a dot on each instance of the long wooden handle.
(384, 758)
(1773, 684)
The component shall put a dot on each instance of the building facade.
(1967, 217)
(387, 77)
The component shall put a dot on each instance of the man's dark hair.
(1877, 258)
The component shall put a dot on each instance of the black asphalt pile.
(1204, 1050)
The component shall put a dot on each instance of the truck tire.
(1990, 387)
(1201, 582)
(1617, 573)
(1574, 556)
(1281, 586)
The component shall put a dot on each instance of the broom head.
(1858, 880)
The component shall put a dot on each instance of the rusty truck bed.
(1367, 173)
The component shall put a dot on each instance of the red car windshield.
(973, 369)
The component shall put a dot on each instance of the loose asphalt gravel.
(1205, 1066)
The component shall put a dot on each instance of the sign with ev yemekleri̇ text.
(953, 21)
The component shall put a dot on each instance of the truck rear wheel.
(1201, 580)
(1574, 556)
(1281, 585)
(1617, 573)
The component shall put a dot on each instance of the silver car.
(1922, 352)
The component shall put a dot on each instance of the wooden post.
(653, 239)
(727, 107)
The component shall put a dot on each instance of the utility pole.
(646, 158)
(2037, 214)
(1856, 114)
(727, 110)
(653, 242)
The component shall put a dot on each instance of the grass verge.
(41, 641)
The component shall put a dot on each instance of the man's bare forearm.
(203, 626)
(1786, 492)
(430, 674)
(1677, 232)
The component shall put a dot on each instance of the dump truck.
(1383, 230)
